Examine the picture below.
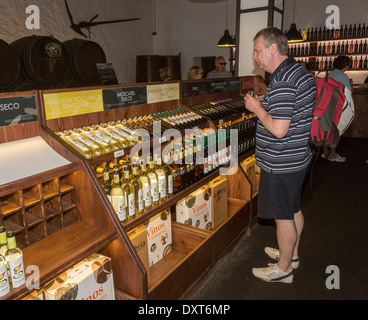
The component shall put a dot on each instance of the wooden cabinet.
(62, 215)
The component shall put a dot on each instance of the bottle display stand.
(66, 215)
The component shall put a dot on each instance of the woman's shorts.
(279, 195)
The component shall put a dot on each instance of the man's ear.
(273, 49)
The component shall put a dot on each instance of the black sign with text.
(124, 97)
(17, 110)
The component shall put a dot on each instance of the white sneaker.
(336, 158)
(272, 273)
(275, 254)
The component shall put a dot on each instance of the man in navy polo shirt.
(282, 149)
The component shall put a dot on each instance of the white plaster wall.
(192, 27)
(121, 42)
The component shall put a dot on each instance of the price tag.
(119, 153)
(162, 139)
(195, 129)
(221, 121)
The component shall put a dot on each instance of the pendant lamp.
(293, 34)
(226, 41)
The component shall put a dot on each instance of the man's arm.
(279, 128)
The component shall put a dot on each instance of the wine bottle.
(4, 279)
(154, 183)
(14, 259)
(350, 32)
(103, 127)
(128, 194)
(106, 184)
(77, 145)
(96, 149)
(176, 169)
(169, 175)
(355, 64)
(365, 64)
(3, 242)
(359, 31)
(138, 190)
(161, 176)
(117, 197)
(363, 30)
(90, 135)
(90, 140)
(115, 145)
(354, 33)
(351, 47)
(146, 186)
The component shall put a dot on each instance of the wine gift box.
(249, 168)
(195, 209)
(138, 237)
(219, 205)
(90, 279)
(159, 237)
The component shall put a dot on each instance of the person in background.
(260, 86)
(195, 73)
(220, 71)
(340, 64)
(282, 148)
(165, 74)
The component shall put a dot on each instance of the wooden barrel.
(70, 83)
(83, 56)
(9, 66)
(43, 60)
(148, 67)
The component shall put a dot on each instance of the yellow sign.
(162, 92)
(65, 104)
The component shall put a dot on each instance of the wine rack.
(39, 211)
(322, 47)
(62, 215)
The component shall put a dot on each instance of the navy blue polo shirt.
(290, 96)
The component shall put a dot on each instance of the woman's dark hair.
(341, 62)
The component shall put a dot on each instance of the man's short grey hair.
(273, 35)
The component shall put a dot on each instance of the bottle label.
(94, 137)
(4, 281)
(162, 186)
(140, 199)
(131, 202)
(103, 136)
(75, 142)
(84, 140)
(170, 184)
(147, 195)
(118, 203)
(155, 191)
(17, 272)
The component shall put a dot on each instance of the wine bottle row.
(140, 183)
(356, 63)
(331, 47)
(343, 32)
(97, 139)
(12, 273)
(220, 109)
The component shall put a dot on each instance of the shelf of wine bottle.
(99, 139)
(188, 162)
(221, 109)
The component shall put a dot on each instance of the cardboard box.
(248, 166)
(159, 237)
(91, 279)
(219, 205)
(195, 209)
(138, 237)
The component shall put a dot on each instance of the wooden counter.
(359, 127)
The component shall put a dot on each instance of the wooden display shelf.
(190, 258)
(60, 251)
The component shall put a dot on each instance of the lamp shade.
(293, 34)
(226, 40)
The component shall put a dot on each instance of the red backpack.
(330, 99)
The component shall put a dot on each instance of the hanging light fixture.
(293, 34)
(226, 40)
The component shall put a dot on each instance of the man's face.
(262, 55)
(220, 65)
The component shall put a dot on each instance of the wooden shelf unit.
(95, 227)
